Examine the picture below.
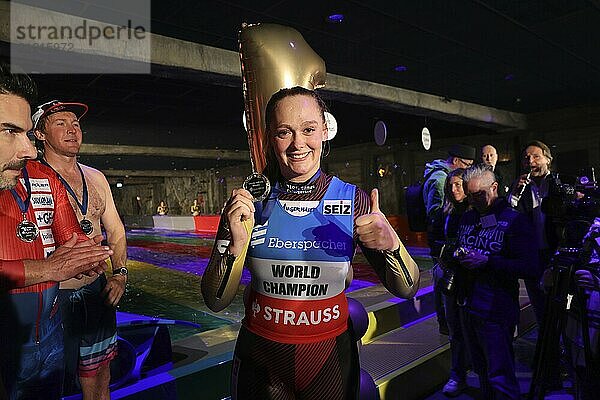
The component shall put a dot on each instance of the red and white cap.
(54, 106)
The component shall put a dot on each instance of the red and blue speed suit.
(295, 338)
(30, 326)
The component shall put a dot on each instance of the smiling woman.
(296, 339)
(296, 134)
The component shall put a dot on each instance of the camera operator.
(526, 197)
(497, 248)
(585, 349)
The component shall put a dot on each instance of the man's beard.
(538, 170)
(9, 183)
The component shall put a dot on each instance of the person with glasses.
(465, 163)
(497, 249)
(459, 156)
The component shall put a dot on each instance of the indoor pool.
(165, 272)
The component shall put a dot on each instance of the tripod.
(547, 351)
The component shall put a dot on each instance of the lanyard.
(83, 205)
(23, 204)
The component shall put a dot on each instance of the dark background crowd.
(486, 231)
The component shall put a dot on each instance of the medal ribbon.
(83, 205)
(23, 204)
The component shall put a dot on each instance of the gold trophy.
(272, 57)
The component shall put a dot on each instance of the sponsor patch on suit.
(38, 185)
(39, 201)
(44, 218)
(337, 207)
(47, 236)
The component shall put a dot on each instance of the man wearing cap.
(88, 304)
(41, 245)
(459, 156)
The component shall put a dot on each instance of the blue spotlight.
(335, 18)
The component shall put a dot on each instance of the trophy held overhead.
(272, 57)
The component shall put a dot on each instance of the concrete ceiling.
(519, 56)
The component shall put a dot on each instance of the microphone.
(515, 198)
(526, 182)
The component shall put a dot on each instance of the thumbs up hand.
(373, 229)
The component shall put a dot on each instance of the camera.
(573, 196)
(567, 312)
(450, 266)
(572, 204)
(461, 251)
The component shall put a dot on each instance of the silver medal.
(86, 226)
(27, 231)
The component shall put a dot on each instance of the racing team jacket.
(29, 313)
(506, 237)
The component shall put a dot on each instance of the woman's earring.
(326, 148)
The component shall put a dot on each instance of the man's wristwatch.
(121, 271)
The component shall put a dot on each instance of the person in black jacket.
(436, 172)
(499, 248)
(455, 206)
(489, 156)
(527, 195)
